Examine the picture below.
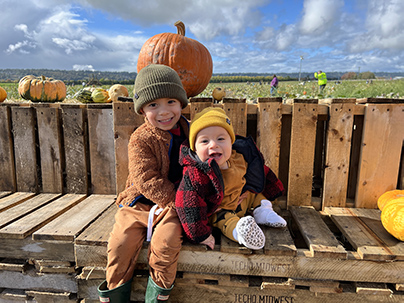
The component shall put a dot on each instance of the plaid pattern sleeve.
(273, 186)
(198, 196)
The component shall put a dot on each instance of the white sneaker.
(249, 233)
(265, 215)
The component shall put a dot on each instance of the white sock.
(265, 215)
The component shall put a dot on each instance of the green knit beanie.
(157, 81)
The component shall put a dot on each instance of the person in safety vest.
(322, 79)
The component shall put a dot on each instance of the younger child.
(223, 179)
(147, 203)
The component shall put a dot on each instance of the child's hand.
(210, 242)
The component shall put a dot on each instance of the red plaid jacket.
(201, 189)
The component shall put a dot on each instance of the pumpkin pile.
(391, 204)
(3, 94)
(188, 57)
(41, 89)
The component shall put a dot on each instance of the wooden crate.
(62, 166)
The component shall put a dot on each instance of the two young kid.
(217, 189)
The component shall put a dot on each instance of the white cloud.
(78, 67)
(319, 15)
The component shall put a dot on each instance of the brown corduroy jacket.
(149, 163)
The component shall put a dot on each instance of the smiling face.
(163, 113)
(214, 142)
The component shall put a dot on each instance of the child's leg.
(264, 213)
(242, 230)
(164, 248)
(125, 242)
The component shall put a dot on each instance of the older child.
(223, 179)
(147, 203)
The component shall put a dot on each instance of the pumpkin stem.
(180, 28)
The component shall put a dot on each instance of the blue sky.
(262, 36)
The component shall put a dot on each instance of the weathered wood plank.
(382, 143)
(68, 225)
(4, 194)
(14, 199)
(318, 237)
(7, 177)
(23, 227)
(25, 208)
(52, 160)
(125, 122)
(269, 120)
(236, 110)
(278, 242)
(338, 147)
(25, 153)
(229, 246)
(75, 148)
(33, 280)
(302, 146)
(370, 245)
(102, 150)
(198, 104)
(27, 248)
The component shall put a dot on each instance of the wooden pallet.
(62, 166)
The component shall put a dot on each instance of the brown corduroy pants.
(126, 240)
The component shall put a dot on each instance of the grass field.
(286, 90)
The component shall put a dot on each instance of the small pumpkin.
(117, 90)
(389, 196)
(3, 94)
(392, 218)
(100, 95)
(41, 89)
(218, 93)
(188, 57)
(84, 96)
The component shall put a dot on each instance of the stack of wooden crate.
(63, 165)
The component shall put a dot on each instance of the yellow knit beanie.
(210, 116)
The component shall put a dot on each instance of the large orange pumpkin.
(188, 57)
(3, 94)
(41, 89)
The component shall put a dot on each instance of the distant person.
(322, 80)
(274, 84)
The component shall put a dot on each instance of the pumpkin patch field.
(393, 89)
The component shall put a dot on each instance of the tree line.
(71, 77)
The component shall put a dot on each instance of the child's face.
(214, 142)
(163, 113)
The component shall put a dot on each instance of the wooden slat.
(229, 246)
(302, 145)
(98, 232)
(236, 110)
(75, 148)
(371, 242)
(7, 168)
(373, 289)
(382, 143)
(102, 150)
(52, 160)
(25, 208)
(68, 225)
(278, 242)
(14, 199)
(4, 194)
(338, 147)
(125, 122)
(198, 104)
(318, 237)
(23, 120)
(269, 120)
(23, 227)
